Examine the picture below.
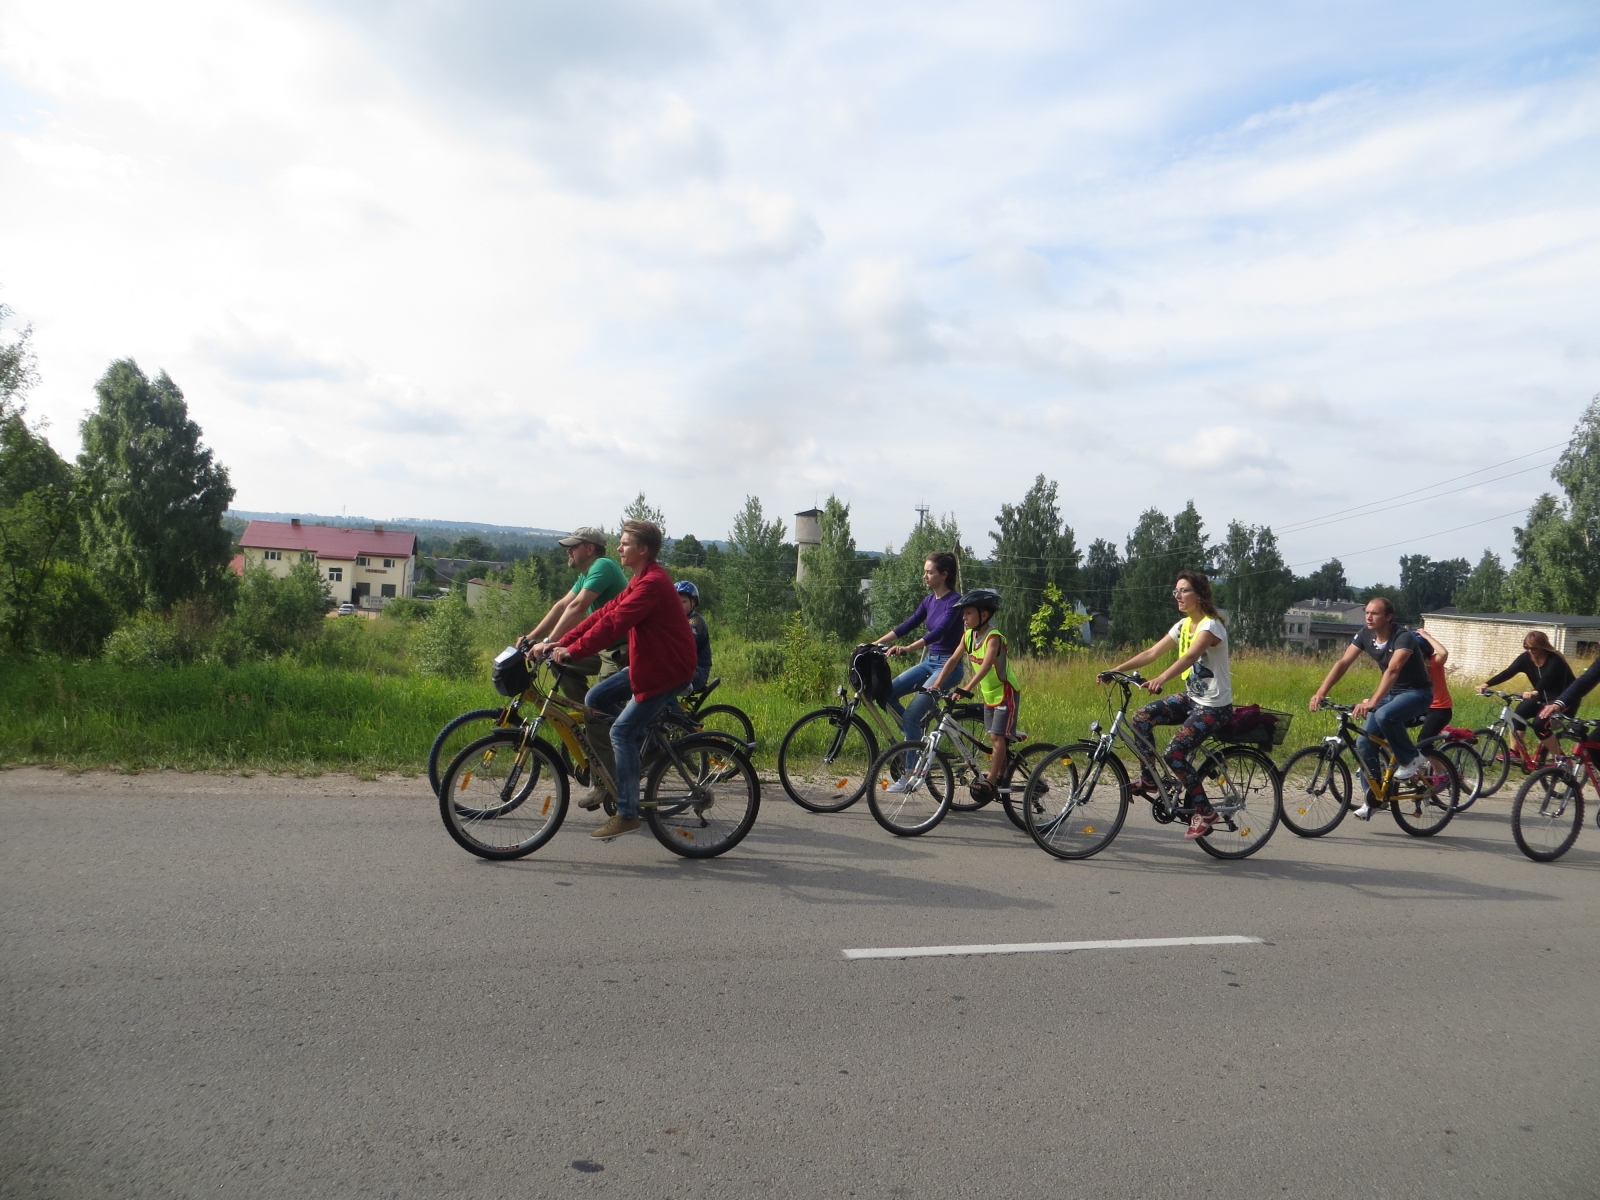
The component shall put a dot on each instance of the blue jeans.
(908, 681)
(1389, 721)
(613, 696)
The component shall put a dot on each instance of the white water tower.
(807, 532)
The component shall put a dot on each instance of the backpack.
(869, 673)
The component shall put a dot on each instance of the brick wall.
(1479, 649)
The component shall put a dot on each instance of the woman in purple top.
(939, 613)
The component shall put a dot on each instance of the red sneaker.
(1201, 824)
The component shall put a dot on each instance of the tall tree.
(687, 552)
(758, 584)
(18, 370)
(1327, 582)
(1157, 549)
(1101, 570)
(830, 593)
(639, 509)
(1254, 585)
(897, 586)
(1032, 547)
(1484, 588)
(1430, 585)
(157, 495)
(1558, 551)
(1554, 571)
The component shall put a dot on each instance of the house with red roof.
(364, 566)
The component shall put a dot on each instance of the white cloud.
(703, 247)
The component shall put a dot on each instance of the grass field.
(284, 716)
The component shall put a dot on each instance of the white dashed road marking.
(1230, 939)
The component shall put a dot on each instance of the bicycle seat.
(1014, 738)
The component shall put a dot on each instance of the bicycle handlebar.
(1125, 678)
(1506, 696)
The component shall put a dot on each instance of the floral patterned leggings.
(1199, 723)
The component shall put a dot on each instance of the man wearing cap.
(599, 580)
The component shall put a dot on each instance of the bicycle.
(1076, 800)
(1459, 746)
(700, 795)
(932, 782)
(726, 718)
(1317, 785)
(826, 757)
(1548, 810)
(467, 727)
(1503, 746)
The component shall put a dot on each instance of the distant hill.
(408, 524)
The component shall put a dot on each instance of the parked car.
(347, 609)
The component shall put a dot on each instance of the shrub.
(808, 668)
(444, 647)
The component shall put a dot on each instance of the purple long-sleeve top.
(942, 618)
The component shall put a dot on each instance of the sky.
(516, 261)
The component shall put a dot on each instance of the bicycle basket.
(869, 673)
(511, 675)
(1256, 726)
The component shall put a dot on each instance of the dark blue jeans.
(613, 695)
(1389, 721)
(912, 716)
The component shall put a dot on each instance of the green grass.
(287, 716)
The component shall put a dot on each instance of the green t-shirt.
(605, 578)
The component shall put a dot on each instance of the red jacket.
(661, 653)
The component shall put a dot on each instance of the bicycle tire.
(1018, 771)
(1496, 761)
(1069, 808)
(711, 813)
(1246, 790)
(451, 734)
(927, 802)
(1469, 772)
(1316, 791)
(1547, 814)
(1416, 803)
(823, 763)
(496, 824)
(725, 718)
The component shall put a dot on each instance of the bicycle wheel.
(1018, 770)
(1469, 771)
(1242, 785)
(1316, 791)
(702, 797)
(1424, 804)
(458, 731)
(1496, 760)
(725, 718)
(1547, 814)
(824, 761)
(926, 798)
(482, 795)
(1076, 801)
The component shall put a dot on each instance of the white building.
(363, 566)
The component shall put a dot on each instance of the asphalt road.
(275, 987)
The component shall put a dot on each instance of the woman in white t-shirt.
(1206, 702)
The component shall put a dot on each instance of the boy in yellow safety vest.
(986, 647)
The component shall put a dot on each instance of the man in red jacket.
(661, 660)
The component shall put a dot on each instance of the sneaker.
(1201, 824)
(1145, 787)
(1364, 813)
(900, 786)
(616, 827)
(595, 797)
(1410, 770)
